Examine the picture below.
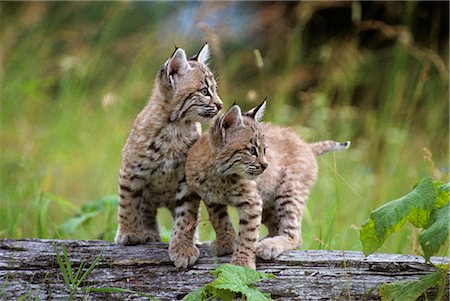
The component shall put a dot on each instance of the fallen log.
(29, 269)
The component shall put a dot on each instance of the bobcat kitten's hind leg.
(137, 213)
(289, 209)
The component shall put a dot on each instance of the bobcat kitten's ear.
(177, 63)
(203, 55)
(232, 118)
(257, 112)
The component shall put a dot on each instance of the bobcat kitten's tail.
(322, 147)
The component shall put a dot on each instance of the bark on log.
(29, 267)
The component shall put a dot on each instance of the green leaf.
(443, 191)
(239, 279)
(231, 279)
(414, 207)
(410, 289)
(254, 294)
(198, 294)
(73, 223)
(436, 233)
(235, 274)
(222, 294)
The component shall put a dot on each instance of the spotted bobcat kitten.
(153, 158)
(231, 165)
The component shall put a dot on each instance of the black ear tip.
(234, 103)
(176, 48)
(345, 144)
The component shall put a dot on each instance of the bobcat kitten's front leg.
(182, 249)
(250, 212)
(225, 235)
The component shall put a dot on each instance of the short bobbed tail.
(322, 147)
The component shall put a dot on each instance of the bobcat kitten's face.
(239, 143)
(191, 87)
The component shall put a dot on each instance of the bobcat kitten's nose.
(264, 165)
(219, 105)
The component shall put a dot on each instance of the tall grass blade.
(62, 202)
(27, 295)
(68, 264)
(41, 204)
(61, 266)
(80, 268)
(89, 270)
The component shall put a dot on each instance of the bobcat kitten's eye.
(253, 151)
(205, 91)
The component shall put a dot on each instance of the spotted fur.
(153, 158)
(230, 165)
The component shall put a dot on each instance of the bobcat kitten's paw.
(183, 254)
(131, 239)
(269, 249)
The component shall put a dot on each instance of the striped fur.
(221, 168)
(153, 158)
(230, 166)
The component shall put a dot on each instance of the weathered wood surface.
(29, 266)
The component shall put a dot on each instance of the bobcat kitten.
(231, 165)
(153, 158)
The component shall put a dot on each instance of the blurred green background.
(75, 75)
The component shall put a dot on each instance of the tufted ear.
(232, 118)
(257, 112)
(203, 55)
(177, 63)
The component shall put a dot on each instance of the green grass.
(75, 75)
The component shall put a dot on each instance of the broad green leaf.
(231, 279)
(443, 191)
(72, 224)
(410, 289)
(197, 295)
(222, 294)
(239, 279)
(414, 207)
(229, 273)
(254, 294)
(369, 238)
(436, 233)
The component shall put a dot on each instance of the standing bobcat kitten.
(153, 158)
(230, 165)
